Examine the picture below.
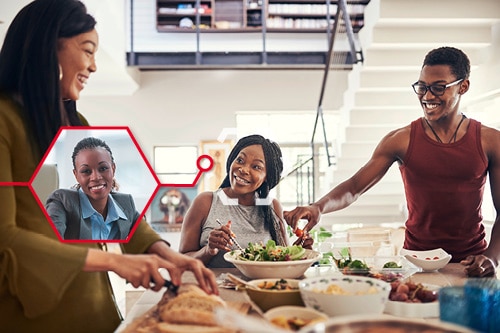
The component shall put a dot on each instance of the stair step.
(383, 187)
(373, 77)
(393, 175)
(411, 57)
(328, 220)
(463, 10)
(410, 33)
(369, 133)
(357, 149)
(357, 209)
(385, 115)
(380, 97)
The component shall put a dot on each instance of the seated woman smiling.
(93, 210)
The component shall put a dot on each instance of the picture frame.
(219, 151)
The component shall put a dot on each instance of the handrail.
(341, 13)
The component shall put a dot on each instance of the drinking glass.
(453, 306)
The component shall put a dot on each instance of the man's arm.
(390, 149)
(485, 265)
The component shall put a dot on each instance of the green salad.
(271, 252)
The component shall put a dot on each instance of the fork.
(232, 238)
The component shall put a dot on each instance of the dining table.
(452, 274)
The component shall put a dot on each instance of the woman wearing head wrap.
(242, 203)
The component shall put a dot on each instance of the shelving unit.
(184, 16)
(297, 16)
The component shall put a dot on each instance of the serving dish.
(291, 269)
(267, 299)
(382, 324)
(430, 260)
(345, 295)
(375, 268)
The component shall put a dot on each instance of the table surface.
(451, 274)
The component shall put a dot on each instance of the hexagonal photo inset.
(95, 184)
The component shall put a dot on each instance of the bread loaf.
(191, 306)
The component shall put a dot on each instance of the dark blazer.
(63, 207)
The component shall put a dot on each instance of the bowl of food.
(413, 300)
(294, 318)
(271, 293)
(259, 261)
(345, 295)
(430, 260)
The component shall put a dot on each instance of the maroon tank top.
(444, 185)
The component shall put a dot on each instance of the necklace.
(453, 137)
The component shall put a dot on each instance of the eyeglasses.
(436, 89)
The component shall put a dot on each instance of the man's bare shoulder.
(490, 139)
(400, 135)
(489, 131)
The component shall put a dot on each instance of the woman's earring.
(60, 73)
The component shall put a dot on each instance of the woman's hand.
(479, 266)
(311, 213)
(138, 269)
(220, 239)
(179, 263)
(142, 270)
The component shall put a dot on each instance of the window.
(175, 164)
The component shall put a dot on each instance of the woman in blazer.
(93, 210)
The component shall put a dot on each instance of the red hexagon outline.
(141, 153)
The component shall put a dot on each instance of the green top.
(42, 286)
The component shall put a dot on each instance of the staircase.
(396, 36)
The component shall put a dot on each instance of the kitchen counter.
(451, 274)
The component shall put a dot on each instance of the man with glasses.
(444, 159)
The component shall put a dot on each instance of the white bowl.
(430, 260)
(309, 315)
(292, 269)
(364, 295)
(412, 310)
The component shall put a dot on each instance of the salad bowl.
(289, 269)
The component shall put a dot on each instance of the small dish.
(430, 260)
(299, 316)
